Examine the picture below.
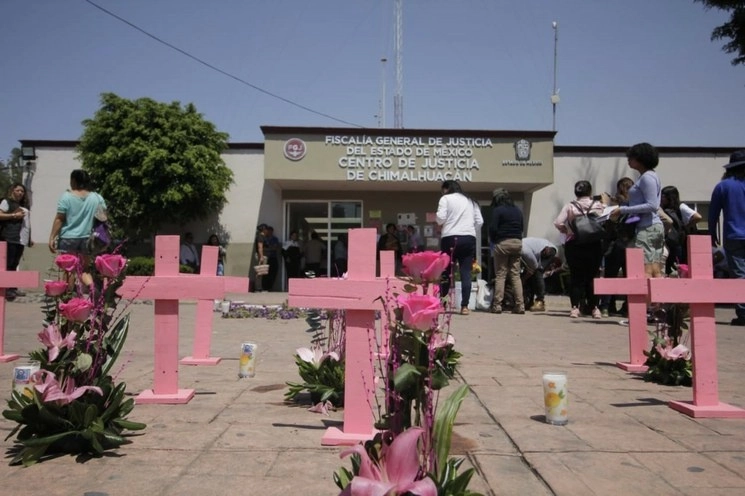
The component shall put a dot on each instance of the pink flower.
(51, 390)
(420, 311)
(316, 356)
(55, 288)
(669, 353)
(396, 472)
(426, 266)
(53, 340)
(77, 309)
(67, 262)
(323, 407)
(110, 265)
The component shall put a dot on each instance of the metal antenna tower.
(381, 109)
(398, 97)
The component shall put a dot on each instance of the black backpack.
(676, 234)
(586, 227)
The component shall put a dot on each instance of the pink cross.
(357, 294)
(205, 309)
(634, 285)
(11, 279)
(167, 287)
(701, 291)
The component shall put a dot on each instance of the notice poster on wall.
(429, 231)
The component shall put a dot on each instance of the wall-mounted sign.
(295, 149)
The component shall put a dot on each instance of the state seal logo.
(522, 149)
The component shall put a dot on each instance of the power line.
(217, 69)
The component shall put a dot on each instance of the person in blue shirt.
(728, 198)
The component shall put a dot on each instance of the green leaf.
(444, 420)
(116, 338)
(127, 424)
(406, 377)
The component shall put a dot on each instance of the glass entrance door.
(328, 220)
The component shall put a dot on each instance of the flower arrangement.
(669, 360)
(322, 365)
(74, 405)
(410, 454)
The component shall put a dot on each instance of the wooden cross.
(205, 309)
(11, 279)
(167, 287)
(635, 287)
(701, 291)
(357, 295)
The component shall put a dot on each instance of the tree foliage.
(154, 163)
(733, 30)
(11, 171)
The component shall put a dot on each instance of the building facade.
(327, 180)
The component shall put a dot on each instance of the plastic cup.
(555, 397)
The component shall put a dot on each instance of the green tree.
(734, 30)
(154, 163)
(11, 171)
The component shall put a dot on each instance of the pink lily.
(322, 407)
(51, 390)
(53, 340)
(396, 472)
(676, 353)
(316, 356)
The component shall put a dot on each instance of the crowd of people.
(641, 213)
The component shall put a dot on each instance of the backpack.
(586, 227)
(675, 235)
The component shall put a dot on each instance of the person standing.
(73, 222)
(340, 256)
(459, 216)
(619, 234)
(214, 240)
(293, 254)
(684, 220)
(313, 253)
(416, 243)
(272, 250)
(188, 253)
(16, 230)
(537, 255)
(728, 198)
(644, 202)
(505, 235)
(583, 258)
(389, 241)
(260, 256)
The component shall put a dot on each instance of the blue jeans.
(461, 249)
(735, 251)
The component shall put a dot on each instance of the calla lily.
(52, 391)
(669, 353)
(316, 356)
(396, 473)
(53, 340)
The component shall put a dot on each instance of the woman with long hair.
(16, 232)
(459, 216)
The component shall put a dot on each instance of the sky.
(627, 70)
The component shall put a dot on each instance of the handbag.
(100, 237)
(262, 269)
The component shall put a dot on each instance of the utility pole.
(555, 94)
(398, 98)
(381, 109)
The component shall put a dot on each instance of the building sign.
(295, 149)
(407, 158)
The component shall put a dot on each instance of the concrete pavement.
(238, 436)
